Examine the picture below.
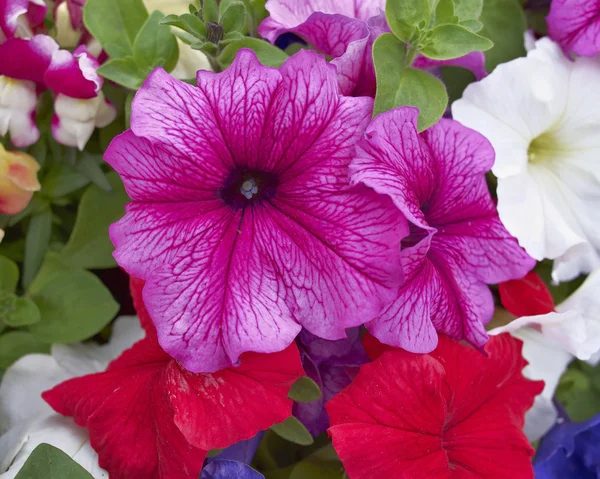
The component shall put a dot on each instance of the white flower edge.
(549, 200)
(551, 341)
(28, 421)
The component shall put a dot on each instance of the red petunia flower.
(526, 297)
(452, 413)
(150, 418)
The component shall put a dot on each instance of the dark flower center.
(244, 187)
(415, 235)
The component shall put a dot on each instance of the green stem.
(411, 55)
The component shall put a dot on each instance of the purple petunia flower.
(332, 365)
(457, 243)
(243, 222)
(345, 30)
(570, 451)
(575, 26)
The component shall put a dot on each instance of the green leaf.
(269, 55)
(15, 344)
(456, 80)
(234, 18)
(89, 245)
(210, 11)
(8, 305)
(398, 85)
(468, 9)
(407, 17)
(26, 313)
(192, 24)
(89, 166)
(123, 71)
(473, 25)
(172, 20)
(294, 431)
(62, 180)
(9, 274)
(317, 470)
(36, 244)
(454, 41)
(305, 390)
(155, 45)
(115, 24)
(504, 23)
(48, 462)
(73, 302)
(445, 13)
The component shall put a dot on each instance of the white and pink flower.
(80, 105)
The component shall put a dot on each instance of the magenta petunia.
(243, 222)
(345, 30)
(575, 25)
(457, 243)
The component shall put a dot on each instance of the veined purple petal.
(474, 61)
(575, 25)
(243, 221)
(457, 243)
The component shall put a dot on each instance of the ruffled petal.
(575, 25)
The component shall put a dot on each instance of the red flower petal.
(149, 418)
(374, 347)
(526, 297)
(216, 410)
(453, 413)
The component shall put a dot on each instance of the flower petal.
(74, 74)
(575, 25)
(229, 470)
(27, 59)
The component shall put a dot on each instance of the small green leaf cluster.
(213, 26)
(436, 29)
(219, 30)
(135, 41)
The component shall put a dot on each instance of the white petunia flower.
(542, 115)
(27, 421)
(551, 341)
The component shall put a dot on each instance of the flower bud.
(18, 180)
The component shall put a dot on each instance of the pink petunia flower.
(346, 30)
(80, 105)
(243, 221)
(451, 414)
(147, 417)
(23, 63)
(575, 26)
(457, 243)
(18, 18)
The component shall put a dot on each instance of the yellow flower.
(18, 180)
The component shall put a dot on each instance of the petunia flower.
(575, 26)
(552, 340)
(149, 417)
(18, 180)
(543, 121)
(345, 30)
(570, 451)
(243, 221)
(23, 63)
(80, 106)
(332, 365)
(26, 421)
(18, 18)
(452, 413)
(457, 244)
